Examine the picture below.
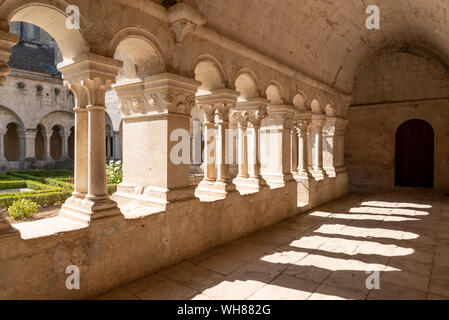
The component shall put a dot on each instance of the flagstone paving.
(327, 253)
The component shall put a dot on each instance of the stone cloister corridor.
(322, 254)
(270, 149)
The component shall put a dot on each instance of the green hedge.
(43, 199)
(4, 185)
(49, 189)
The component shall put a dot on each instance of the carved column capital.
(89, 76)
(254, 109)
(281, 116)
(217, 104)
(165, 93)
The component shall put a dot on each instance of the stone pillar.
(209, 143)
(249, 114)
(216, 106)
(89, 77)
(47, 146)
(156, 148)
(2, 145)
(196, 143)
(280, 122)
(333, 145)
(318, 121)
(30, 141)
(294, 151)
(303, 123)
(7, 42)
(117, 155)
(81, 147)
(242, 150)
(22, 144)
(65, 144)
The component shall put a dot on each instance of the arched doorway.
(415, 154)
(39, 143)
(56, 143)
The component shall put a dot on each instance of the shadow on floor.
(386, 245)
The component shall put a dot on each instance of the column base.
(318, 174)
(6, 229)
(86, 210)
(250, 184)
(151, 196)
(278, 180)
(214, 190)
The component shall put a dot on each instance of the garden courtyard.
(38, 194)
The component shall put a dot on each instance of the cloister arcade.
(172, 71)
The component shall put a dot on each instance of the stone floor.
(324, 254)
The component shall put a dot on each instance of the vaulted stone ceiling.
(327, 39)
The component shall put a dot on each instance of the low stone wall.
(114, 251)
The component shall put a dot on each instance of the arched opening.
(53, 20)
(414, 160)
(72, 143)
(39, 143)
(56, 143)
(246, 85)
(12, 142)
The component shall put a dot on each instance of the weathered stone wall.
(419, 81)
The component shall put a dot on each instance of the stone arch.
(299, 101)
(316, 105)
(140, 52)
(330, 109)
(7, 116)
(53, 19)
(210, 73)
(246, 84)
(274, 94)
(64, 119)
(11, 141)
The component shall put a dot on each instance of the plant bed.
(47, 188)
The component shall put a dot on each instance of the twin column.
(216, 107)
(89, 77)
(249, 115)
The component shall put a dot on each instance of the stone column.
(30, 141)
(81, 147)
(333, 145)
(294, 151)
(47, 146)
(2, 145)
(216, 106)
(7, 42)
(280, 122)
(317, 124)
(242, 147)
(209, 143)
(117, 155)
(252, 111)
(303, 123)
(65, 144)
(89, 77)
(156, 146)
(196, 143)
(22, 144)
